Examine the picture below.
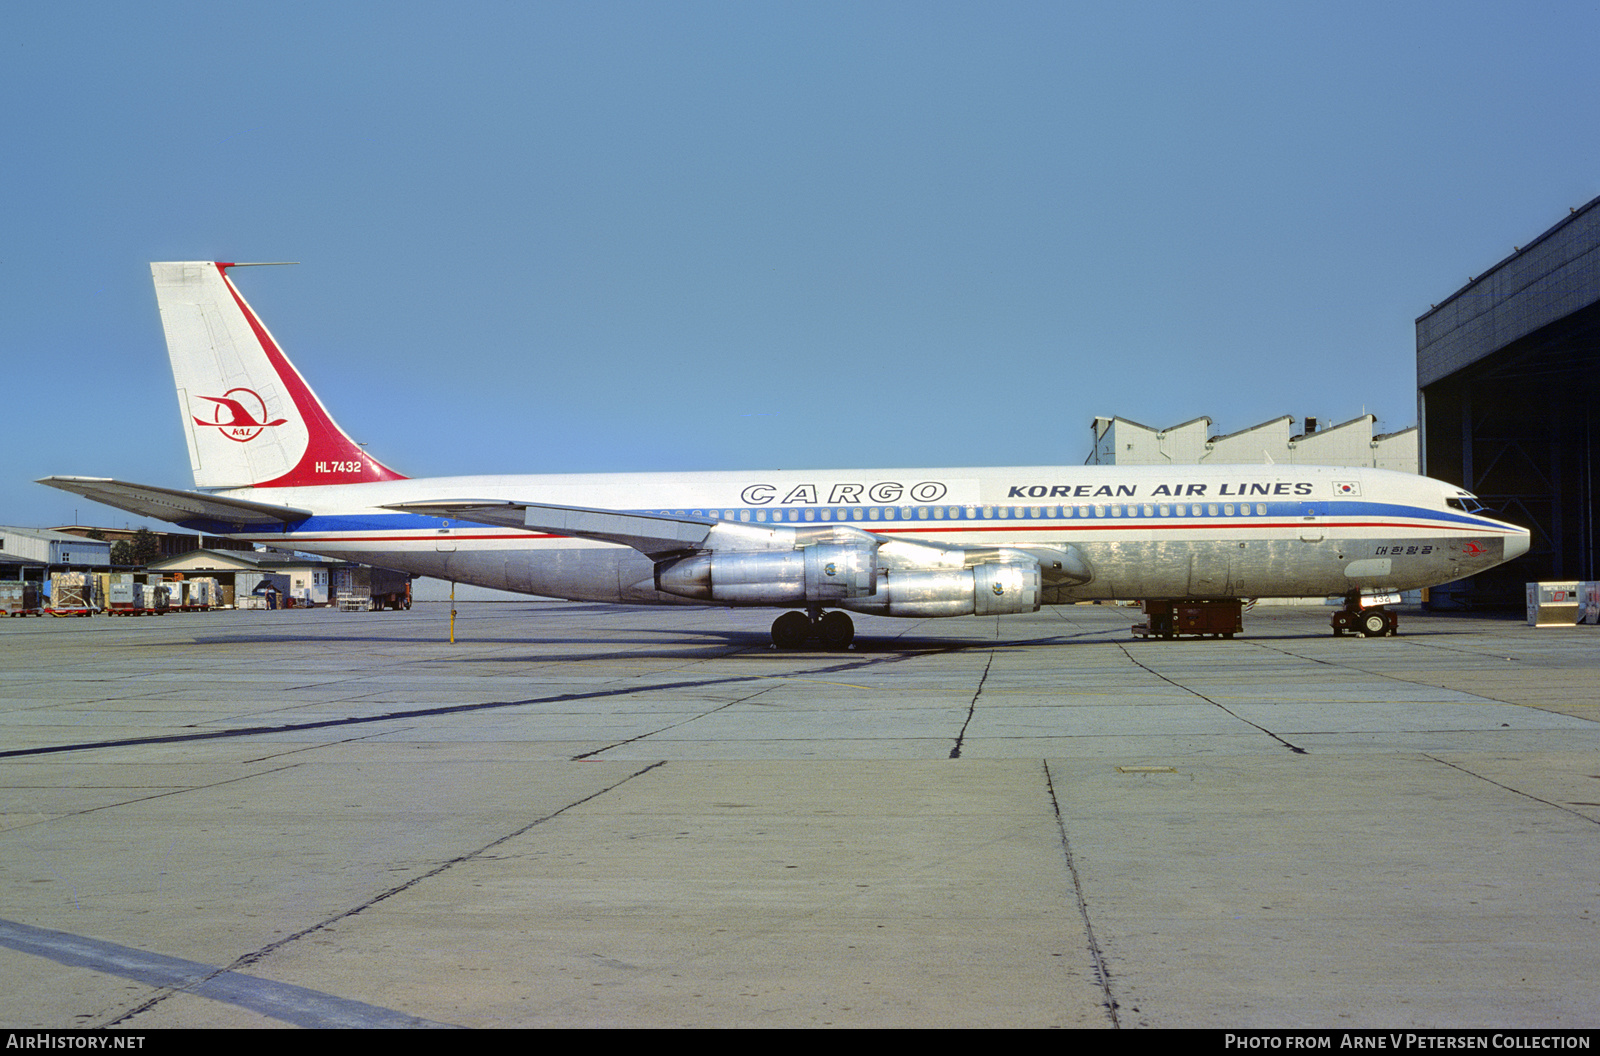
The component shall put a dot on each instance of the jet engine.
(822, 573)
(1009, 584)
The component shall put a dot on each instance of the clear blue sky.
(571, 237)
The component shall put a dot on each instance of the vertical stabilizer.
(250, 418)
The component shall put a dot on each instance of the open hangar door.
(1508, 370)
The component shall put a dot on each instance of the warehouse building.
(1507, 372)
(33, 553)
(303, 577)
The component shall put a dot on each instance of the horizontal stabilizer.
(179, 507)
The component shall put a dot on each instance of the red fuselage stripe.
(1013, 526)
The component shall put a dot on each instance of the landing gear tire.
(836, 631)
(791, 630)
(1375, 623)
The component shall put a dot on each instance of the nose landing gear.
(833, 631)
(1374, 622)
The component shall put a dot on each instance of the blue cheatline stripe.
(281, 1001)
(1328, 510)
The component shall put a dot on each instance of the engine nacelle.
(826, 573)
(992, 588)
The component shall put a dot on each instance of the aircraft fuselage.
(1182, 531)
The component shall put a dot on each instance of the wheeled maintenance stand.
(1220, 618)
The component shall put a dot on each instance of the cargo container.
(119, 593)
(364, 589)
(72, 594)
(20, 599)
(1589, 602)
(197, 594)
(204, 593)
(1554, 604)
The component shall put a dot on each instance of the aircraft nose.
(1517, 545)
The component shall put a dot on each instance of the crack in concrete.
(197, 985)
(1102, 971)
(1222, 707)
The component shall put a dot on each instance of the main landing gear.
(834, 631)
(1374, 622)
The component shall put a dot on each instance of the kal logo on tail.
(241, 414)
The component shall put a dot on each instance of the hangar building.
(1507, 372)
(1120, 442)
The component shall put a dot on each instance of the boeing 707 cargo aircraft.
(271, 466)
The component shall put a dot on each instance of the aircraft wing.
(661, 536)
(653, 535)
(170, 504)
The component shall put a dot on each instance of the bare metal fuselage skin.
(1138, 532)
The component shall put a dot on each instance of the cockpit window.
(1464, 503)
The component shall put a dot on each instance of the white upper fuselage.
(1122, 518)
